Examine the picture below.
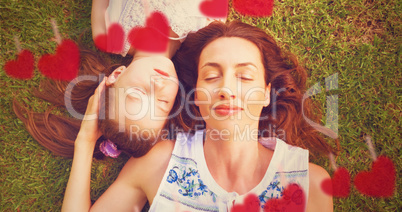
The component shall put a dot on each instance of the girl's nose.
(158, 82)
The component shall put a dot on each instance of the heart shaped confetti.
(64, 64)
(339, 185)
(380, 181)
(154, 37)
(256, 8)
(293, 199)
(250, 204)
(22, 67)
(214, 8)
(112, 41)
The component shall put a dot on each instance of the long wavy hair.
(58, 133)
(282, 70)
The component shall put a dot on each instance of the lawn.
(357, 42)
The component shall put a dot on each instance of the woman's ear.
(113, 76)
(267, 95)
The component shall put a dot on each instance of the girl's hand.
(77, 195)
(89, 130)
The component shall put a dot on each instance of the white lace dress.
(184, 16)
(188, 185)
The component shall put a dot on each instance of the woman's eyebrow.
(216, 65)
(212, 64)
(246, 64)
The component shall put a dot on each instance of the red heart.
(339, 185)
(64, 64)
(153, 37)
(251, 204)
(112, 41)
(257, 8)
(380, 181)
(22, 67)
(215, 8)
(293, 199)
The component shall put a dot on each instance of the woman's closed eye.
(246, 77)
(211, 77)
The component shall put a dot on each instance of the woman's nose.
(228, 88)
(225, 93)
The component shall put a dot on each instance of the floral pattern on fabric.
(274, 189)
(189, 182)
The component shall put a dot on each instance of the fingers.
(99, 90)
(94, 102)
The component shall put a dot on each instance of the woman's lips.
(225, 110)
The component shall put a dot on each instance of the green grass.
(358, 40)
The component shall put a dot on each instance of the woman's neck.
(233, 158)
(231, 147)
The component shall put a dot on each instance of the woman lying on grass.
(244, 84)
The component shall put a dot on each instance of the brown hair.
(287, 78)
(58, 133)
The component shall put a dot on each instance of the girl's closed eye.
(141, 90)
(136, 92)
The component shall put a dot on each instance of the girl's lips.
(161, 72)
(225, 110)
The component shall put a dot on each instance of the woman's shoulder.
(318, 200)
(316, 175)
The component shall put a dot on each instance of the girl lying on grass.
(140, 92)
(239, 84)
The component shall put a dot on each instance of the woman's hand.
(89, 130)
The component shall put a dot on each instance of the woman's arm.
(98, 23)
(77, 195)
(317, 199)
